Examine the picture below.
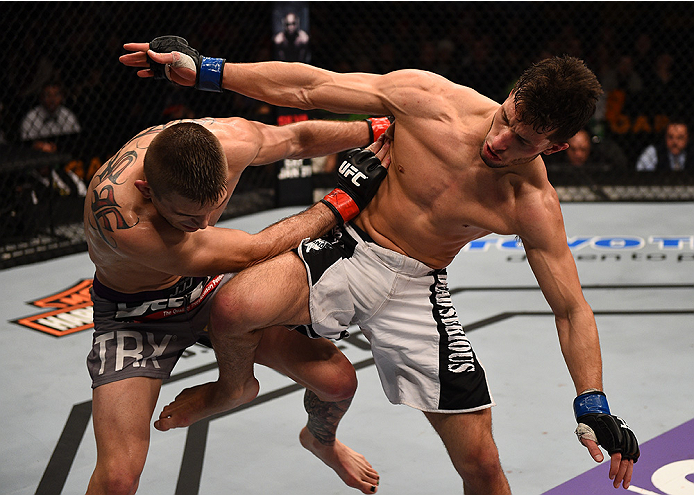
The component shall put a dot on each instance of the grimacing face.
(510, 142)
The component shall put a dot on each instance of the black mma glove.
(596, 423)
(208, 71)
(358, 179)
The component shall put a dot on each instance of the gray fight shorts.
(144, 334)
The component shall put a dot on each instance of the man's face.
(184, 214)
(510, 142)
(51, 98)
(291, 23)
(579, 149)
(676, 138)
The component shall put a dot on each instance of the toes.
(161, 425)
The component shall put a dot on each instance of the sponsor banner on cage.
(67, 311)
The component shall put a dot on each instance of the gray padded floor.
(636, 263)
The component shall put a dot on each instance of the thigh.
(274, 292)
(467, 436)
(122, 412)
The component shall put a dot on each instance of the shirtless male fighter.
(462, 166)
(149, 220)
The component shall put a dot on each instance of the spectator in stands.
(48, 122)
(588, 153)
(671, 154)
(51, 128)
(578, 151)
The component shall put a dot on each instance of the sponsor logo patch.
(68, 311)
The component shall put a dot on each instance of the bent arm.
(215, 250)
(298, 140)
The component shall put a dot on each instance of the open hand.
(178, 71)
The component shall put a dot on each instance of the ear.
(143, 187)
(556, 148)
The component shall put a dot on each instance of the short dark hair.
(677, 120)
(557, 95)
(187, 159)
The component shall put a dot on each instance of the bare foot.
(349, 465)
(202, 401)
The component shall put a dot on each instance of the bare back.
(123, 228)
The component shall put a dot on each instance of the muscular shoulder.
(418, 93)
(538, 217)
(240, 138)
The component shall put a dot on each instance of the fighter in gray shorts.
(404, 309)
(144, 334)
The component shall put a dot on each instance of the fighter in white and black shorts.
(404, 309)
(144, 334)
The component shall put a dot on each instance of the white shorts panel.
(404, 309)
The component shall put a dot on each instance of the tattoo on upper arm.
(113, 168)
(106, 215)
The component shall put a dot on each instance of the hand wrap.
(377, 126)
(596, 423)
(208, 71)
(358, 179)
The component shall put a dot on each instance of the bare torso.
(439, 194)
(117, 215)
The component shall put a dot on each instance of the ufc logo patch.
(348, 170)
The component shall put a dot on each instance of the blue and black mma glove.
(209, 72)
(597, 424)
(358, 179)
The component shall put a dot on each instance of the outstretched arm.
(213, 250)
(289, 84)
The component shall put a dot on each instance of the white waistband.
(396, 261)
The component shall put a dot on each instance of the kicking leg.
(121, 413)
(271, 293)
(468, 439)
(331, 382)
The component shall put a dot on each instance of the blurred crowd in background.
(63, 92)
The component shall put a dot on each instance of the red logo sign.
(71, 311)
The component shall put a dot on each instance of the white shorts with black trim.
(404, 309)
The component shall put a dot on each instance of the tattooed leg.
(323, 417)
(318, 436)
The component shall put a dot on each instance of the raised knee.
(230, 309)
(340, 385)
(338, 391)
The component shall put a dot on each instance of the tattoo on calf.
(324, 417)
